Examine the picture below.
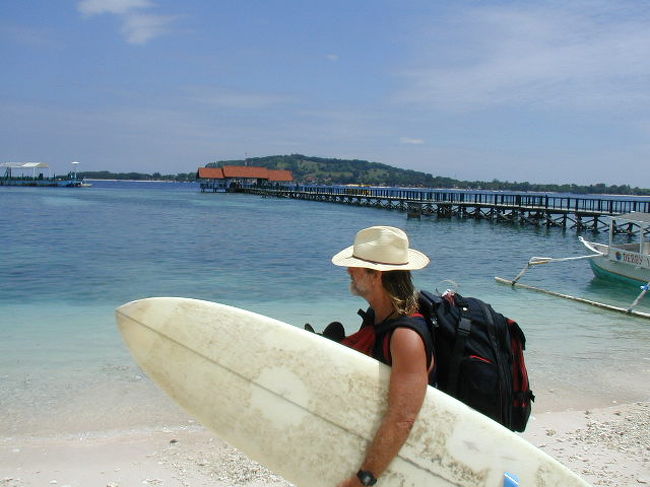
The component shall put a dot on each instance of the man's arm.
(408, 382)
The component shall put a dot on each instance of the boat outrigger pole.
(619, 309)
(547, 260)
(644, 289)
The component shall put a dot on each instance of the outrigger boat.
(628, 262)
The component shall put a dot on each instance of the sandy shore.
(183, 457)
(608, 447)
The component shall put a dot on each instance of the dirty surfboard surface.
(306, 407)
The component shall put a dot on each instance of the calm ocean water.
(71, 256)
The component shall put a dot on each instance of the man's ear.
(377, 276)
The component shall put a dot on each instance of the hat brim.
(346, 258)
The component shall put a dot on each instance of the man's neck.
(383, 307)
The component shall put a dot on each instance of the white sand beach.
(607, 446)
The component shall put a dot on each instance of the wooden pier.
(548, 210)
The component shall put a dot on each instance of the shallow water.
(71, 256)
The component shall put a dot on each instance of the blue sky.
(543, 91)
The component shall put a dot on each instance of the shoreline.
(606, 446)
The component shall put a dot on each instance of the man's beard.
(358, 288)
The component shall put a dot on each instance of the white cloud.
(551, 55)
(410, 140)
(332, 57)
(118, 7)
(138, 27)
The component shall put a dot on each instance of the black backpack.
(479, 357)
(478, 353)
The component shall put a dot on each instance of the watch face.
(366, 478)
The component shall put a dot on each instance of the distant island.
(137, 176)
(329, 171)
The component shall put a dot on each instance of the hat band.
(376, 261)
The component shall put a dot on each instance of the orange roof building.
(280, 175)
(220, 178)
(245, 172)
(209, 173)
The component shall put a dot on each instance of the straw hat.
(383, 249)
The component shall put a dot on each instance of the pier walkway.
(550, 210)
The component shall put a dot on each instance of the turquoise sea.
(69, 257)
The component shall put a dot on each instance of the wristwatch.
(366, 478)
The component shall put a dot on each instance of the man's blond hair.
(399, 286)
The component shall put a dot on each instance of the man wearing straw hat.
(379, 265)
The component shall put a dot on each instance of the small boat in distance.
(629, 262)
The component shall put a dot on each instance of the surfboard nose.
(143, 323)
(137, 324)
(134, 308)
(129, 313)
(146, 311)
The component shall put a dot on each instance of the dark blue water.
(70, 256)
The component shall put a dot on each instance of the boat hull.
(617, 268)
(623, 263)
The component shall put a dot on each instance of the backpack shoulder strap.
(367, 317)
(428, 303)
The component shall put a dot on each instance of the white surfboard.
(306, 407)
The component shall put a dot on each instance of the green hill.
(318, 170)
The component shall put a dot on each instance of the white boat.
(629, 262)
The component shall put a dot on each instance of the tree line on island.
(330, 171)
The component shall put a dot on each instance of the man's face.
(361, 281)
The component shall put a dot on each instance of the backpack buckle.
(464, 327)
